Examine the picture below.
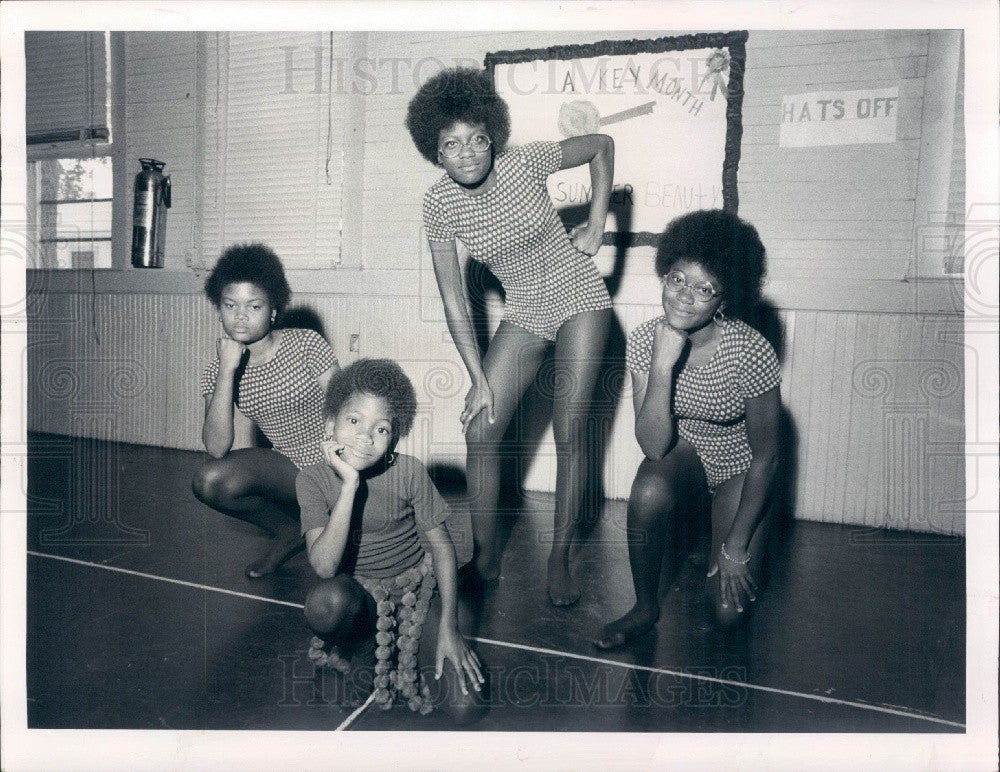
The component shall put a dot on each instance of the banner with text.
(839, 117)
(666, 112)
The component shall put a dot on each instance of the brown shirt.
(390, 509)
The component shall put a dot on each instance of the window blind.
(273, 145)
(66, 87)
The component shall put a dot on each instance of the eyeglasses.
(451, 148)
(675, 281)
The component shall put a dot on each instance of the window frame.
(113, 148)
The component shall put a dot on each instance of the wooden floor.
(139, 617)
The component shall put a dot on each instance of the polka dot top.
(514, 230)
(283, 397)
(709, 401)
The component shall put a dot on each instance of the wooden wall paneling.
(187, 331)
(876, 50)
(817, 74)
(135, 382)
(826, 413)
(160, 96)
(798, 398)
(47, 338)
(857, 458)
(891, 444)
(943, 384)
(841, 402)
(873, 448)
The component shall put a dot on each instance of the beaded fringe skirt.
(402, 603)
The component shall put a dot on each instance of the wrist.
(349, 488)
(733, 553)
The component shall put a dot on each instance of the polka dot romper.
(283, 397)
(709, 401)
(514, 230)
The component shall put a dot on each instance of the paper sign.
(665, 111)
(839, 117)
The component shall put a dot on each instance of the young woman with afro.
(707, 405)
(264, 377)
(493, 199)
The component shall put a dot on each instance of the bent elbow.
(216, 451)
(654, 451)
(653, 443)
(324, 573)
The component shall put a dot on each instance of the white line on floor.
(506, 644)
(163, 578)
(726, 681)
(344, 724)
(357, 712)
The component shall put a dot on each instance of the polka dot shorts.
(514, 230)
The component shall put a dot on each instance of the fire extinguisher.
(149, 215)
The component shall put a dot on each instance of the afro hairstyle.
(382, 378)
(725, 246)
(459, 94)
(253, 263)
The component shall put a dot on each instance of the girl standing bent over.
(494, 200)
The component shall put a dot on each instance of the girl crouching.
(364, 511)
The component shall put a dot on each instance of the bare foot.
(281, 550)
(636, 622)
(562, 589)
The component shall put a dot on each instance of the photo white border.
(25, 749)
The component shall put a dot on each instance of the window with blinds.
(272, 145)
(69, 152)
(66, 87)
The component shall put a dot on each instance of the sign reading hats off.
(839, 117)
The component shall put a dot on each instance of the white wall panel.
(875, 400)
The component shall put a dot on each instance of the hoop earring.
(390, 458)
(718, 317)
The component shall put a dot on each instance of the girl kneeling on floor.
(707, 405)
(363, 512)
